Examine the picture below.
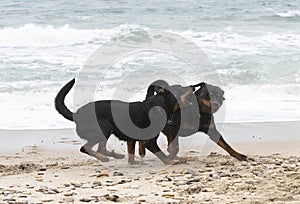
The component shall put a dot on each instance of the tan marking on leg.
(131, 151)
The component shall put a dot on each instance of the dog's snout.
(216, 104)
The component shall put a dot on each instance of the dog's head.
(210, 98)
(175, 96)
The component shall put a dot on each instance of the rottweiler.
(131, 122)
(209, 99)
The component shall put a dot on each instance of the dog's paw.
(142, 155)
(103, 159)
(180, 161)
(133, 162)
(242, 157)
(250, 159)
(137, 163)
(173, 157)
(178, 158)
(117, 155)
(168, 162)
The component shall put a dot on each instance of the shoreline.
(234, 133)
(224, 123)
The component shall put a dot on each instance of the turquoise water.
(183, 15)
(254, 46)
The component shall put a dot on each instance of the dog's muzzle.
(215, 107)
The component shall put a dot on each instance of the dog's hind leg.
(102, 149)
(106, 130)
(88, 149)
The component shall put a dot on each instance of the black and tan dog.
(96, 121)
(209, 99)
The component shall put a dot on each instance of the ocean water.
(253, 45)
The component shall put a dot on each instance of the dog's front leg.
(152, 146)
(173, 147)
(217, 138)
(131, 151)
(142, 149)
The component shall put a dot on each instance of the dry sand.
(38, 174)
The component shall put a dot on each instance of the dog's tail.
(60, 101)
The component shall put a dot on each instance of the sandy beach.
(45, 166)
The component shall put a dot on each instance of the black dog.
(209, 99)
(96, 121)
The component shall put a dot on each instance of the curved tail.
(60, 101)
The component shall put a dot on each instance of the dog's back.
(91, 115)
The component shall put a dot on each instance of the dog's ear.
(192, 87)
(201, 85)
(158, 86)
